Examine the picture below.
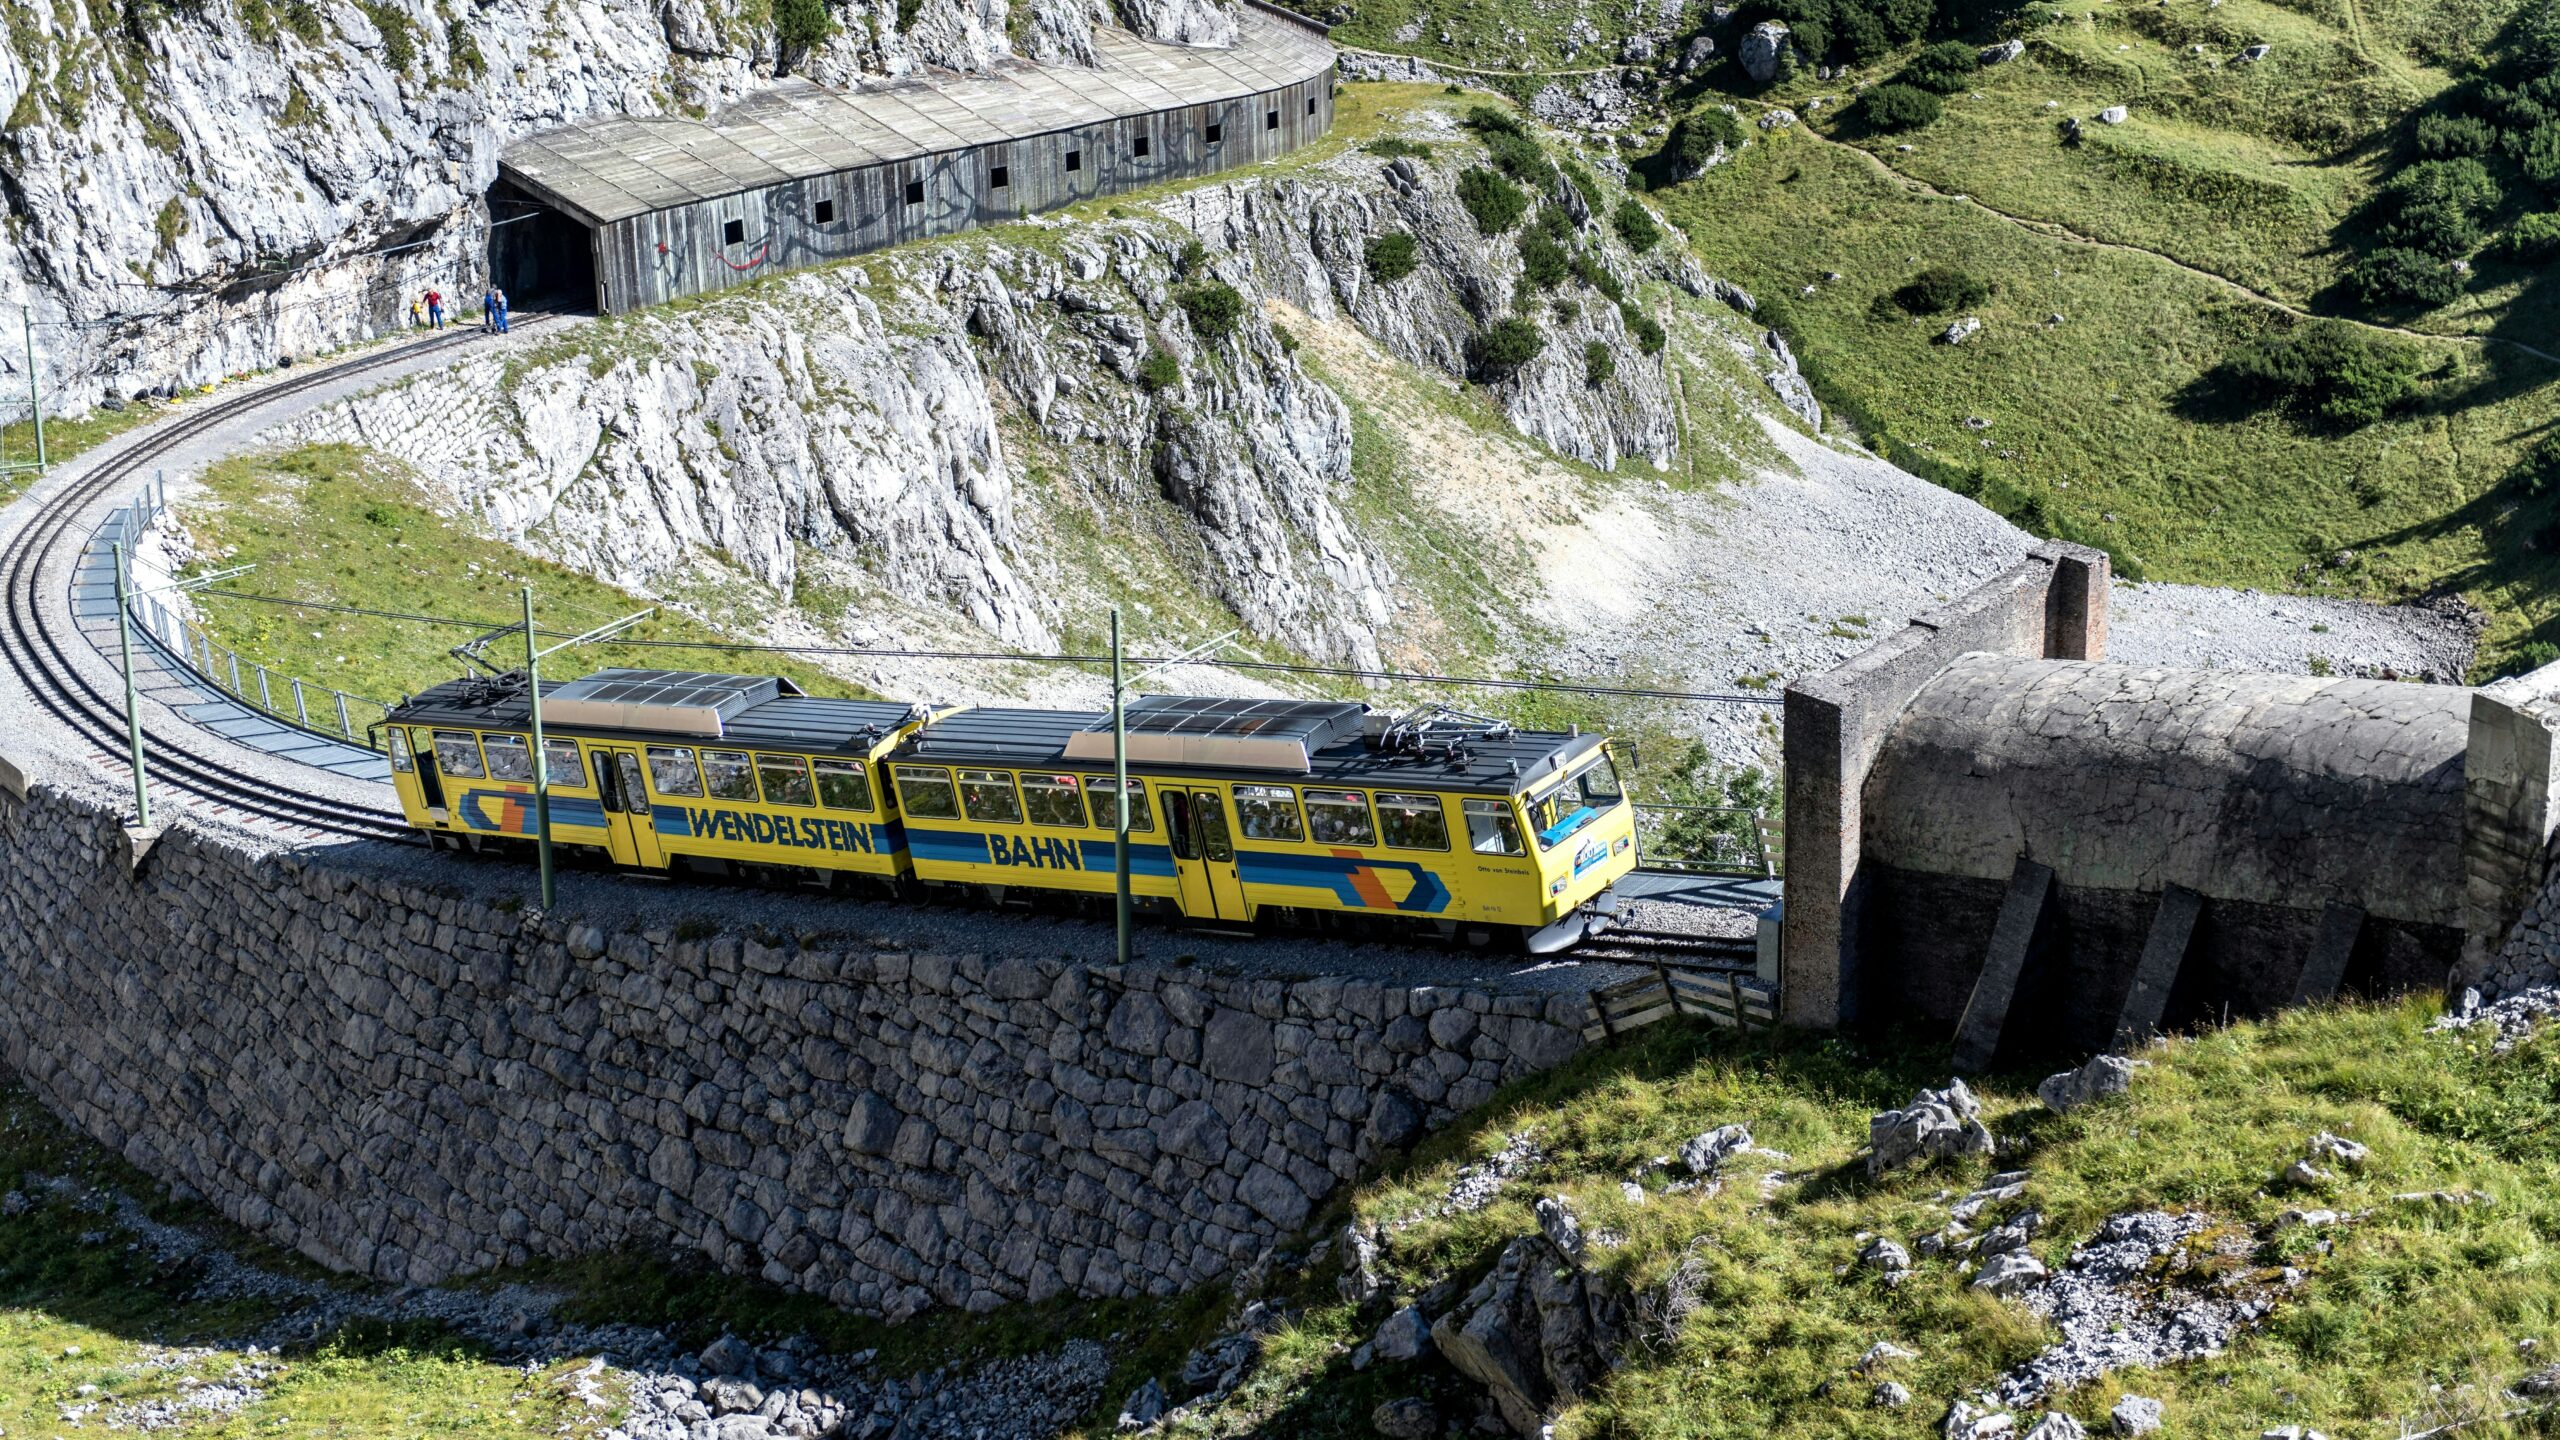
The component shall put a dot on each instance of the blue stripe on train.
(1041, 852)
(510, 812)
(789, 832)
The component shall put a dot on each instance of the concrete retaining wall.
(400, 1082)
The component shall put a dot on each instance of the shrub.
(2539, 153)
(1518, 156)
(1486, 120)
(1391, 256)
(1701, 139)
(1599, 362)
(1159, 371)
(1543, 263)
(2535, 237)
(1939, 289)
(1396, 145)
(1650, 336)
(2436, 205)
(1555, 224)
(1193, 256)
(2532, 655)
(1287, 337)
(1496, 203)
(1588, 269)
(2449, 136)
(1635, 226)
(798, 25)
(2327, 371)
(2539, 473)
(1215, 309)
(1945, 67)
(1503, 347)
(1566, 309)
(2395, 276)
(1898, 107)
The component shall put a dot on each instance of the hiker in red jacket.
(435, 309)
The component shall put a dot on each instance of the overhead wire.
(1345, 672)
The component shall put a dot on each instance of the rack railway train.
(1307, 812)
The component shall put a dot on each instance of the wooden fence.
(1723, 996)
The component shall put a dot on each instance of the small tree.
(1896, 106)
(2327, 372)
(1543, 263)
(1635, 225)
(1939, 289)
(799, 25)
(2534, 237)
(2397, 276)
(1391, 256)
(1650, 336)
(1496, 203)
(1599, 362)
(1945, 67)
(1702, 138)
(2447, 137)
(1214, 307)
(1499, 350)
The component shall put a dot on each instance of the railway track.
(41, 659)
(1679, 949)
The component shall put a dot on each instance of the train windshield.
(1577, 802)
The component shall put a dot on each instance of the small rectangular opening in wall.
(915, 192)
(1311, 109)
(823, 213)
(1000, 178)
(1214, 134)
(1075, 161)
(1139, 148)
(1270, 119)
(733, 232)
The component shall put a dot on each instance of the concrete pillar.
(2013, 938)
(2332, 946)
(2508, 811)
(2075, 603)
(1817, 982)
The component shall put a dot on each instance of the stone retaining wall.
(411, 1085)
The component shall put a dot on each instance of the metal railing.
(190, 646)
(1734, 840)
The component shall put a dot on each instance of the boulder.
(2134, 1415)
(1535, 1332)
(2054, 1425)
(1360, 1279)
(1761, 50)
(2104, 1075)
(2008, 1274)
(2013, 1235)
(1961, 331)
(1561, 1226)
(1410, 1418)
(1703, 1154)
(1964, 1422)
(727, 1355)
(1700, 54)
(2325, 1146)
(2115, 115)
(1404, 1337)
(1636, 50)
(1884, 1256)
(1889, 1395)
(1936, 1124)
(2257, 52)
(1144, 1407)
(2004, 52)
(1881, 1354)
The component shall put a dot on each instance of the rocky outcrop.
(212, 186)
(850, 416)
(1535, 1333)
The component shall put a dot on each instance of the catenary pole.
(541, 769)
(1119, 793)
(132, 715)
(35, 389)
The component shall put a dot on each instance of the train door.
(1204, 854)
(430, 778)
(630, 828)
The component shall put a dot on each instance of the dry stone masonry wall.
(413, 1086)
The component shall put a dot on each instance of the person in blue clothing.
(435, 309)
(498, 302)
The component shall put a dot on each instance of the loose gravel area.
(2198, 626)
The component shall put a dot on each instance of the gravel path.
(2197, 626)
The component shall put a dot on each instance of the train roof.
(748, 710)
(1307, 741)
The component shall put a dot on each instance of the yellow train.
(1242, 811)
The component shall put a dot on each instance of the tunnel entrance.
(541, 257)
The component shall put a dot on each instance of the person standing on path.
(417, 316)
(489, 310)
(435, 309)
(498, 297)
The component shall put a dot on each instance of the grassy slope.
(2414, 1297)
(349, 527)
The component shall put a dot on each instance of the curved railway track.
(42, 660)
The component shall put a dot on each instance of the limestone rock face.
(1936, 1123)
(1761, 49)
(1535, 1333)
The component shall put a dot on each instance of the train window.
(729, 774)
(1413, 822)
(1577, 802)
(508, 758)
(786, 780)
(988, 796)
(1340, 817)
(925, 793)
(1098, 793)
(399, 741)
(634, 799)
(458, 754)
(672, 772)
(1051, 800)
(1268, 812)
(1490, 828)
(844, 785)
(560, 759)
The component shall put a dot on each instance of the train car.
(658, 770)
(1312, 810)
